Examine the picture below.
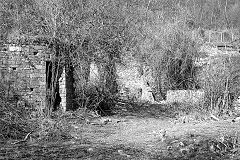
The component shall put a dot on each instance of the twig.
(214, 117)
(24, 140)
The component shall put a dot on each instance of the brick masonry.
(23, 69)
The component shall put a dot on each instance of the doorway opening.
(52, 87)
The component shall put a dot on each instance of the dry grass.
(136, 132)
(14, 122)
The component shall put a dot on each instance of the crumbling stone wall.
(66, 90)
(135, 81)
(23, 70)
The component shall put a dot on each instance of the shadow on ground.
(146, 111)
(134, 132)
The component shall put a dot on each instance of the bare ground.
(147, 133)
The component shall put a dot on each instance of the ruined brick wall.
(27, 72)
(23, 69)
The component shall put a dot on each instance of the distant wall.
(185, 96)
(135, 81)
(216, 36)
(131, 83)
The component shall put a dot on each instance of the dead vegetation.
(141, 132)
(105, 126)
(14, 119)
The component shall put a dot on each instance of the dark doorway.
(48, 74)
(53, 95)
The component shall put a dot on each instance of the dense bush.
(170, 51)
(220, 80)
(14, 116)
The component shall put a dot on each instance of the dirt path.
(137, 136)
(139, 132)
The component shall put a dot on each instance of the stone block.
(38, 47)
(34, 83)
(39, 66)
(63, 103)
(42, 83)
(62, 91)
(42, 71)
(38, 75)
(14, 48)
(61, 85)
(147, 94)
(94, 75)
(48, 57)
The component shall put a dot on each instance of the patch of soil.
(71, 150)
(141, 134)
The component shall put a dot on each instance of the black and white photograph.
(119, 79)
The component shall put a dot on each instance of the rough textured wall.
(135, 81)
(132, 83)
(185, 96)
(23, 70)
(63, 91)
(27, 72)
(129, 80)
(215, 36)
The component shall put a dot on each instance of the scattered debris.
(90, 150)
(214, 117)
(236, 119)
(181, 144)
(27, 137)
(193, 145)
(124, 109)
(184, 150)
(103, 121)
(163, 102)
(75, 126)
(163, 135)
(122, 153)
(99, 121)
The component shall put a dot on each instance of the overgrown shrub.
(171, 52)
(220, 81)
(97, 99)
(103, 48)
(14, 116)
(53, 129)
